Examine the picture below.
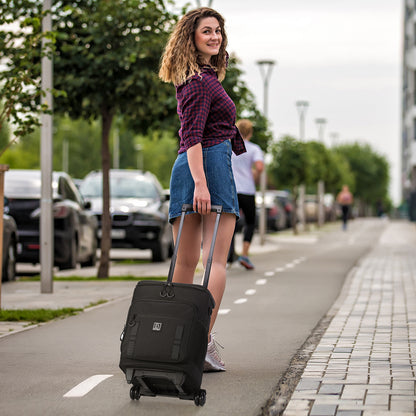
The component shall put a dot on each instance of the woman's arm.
(202, 197)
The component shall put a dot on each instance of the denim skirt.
(219, 176)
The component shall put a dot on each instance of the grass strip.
(35, 316)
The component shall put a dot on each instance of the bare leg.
(189, 248)
(219, 261)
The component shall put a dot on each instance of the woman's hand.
(202, 199)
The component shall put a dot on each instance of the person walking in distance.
(247, 169)
(345, 200)
(195, 61)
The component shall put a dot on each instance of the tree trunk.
(103, 269)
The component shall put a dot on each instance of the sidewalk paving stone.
(366, 357)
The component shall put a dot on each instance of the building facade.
(408, 179)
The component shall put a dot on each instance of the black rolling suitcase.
(164, 341)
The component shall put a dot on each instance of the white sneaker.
(213, 360)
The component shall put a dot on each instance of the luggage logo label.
(157, 326)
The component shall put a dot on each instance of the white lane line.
(261, 282)
(279, 269)
(290, 265)
(250, 292)
(269, 274)
(223, 311)
(240, 301)
(87, 385)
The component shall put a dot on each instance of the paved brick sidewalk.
(365, 363)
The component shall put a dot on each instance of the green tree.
(25, 154)
(288, 168)
(20, 52)
(339, 173)
(370, 170)
(107, 56)
(317, 166)
(158, 153)
(245, 103)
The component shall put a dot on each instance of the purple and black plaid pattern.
(207, 114)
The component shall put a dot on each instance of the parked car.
(275, 211)
(285, 199)
(9, 247)
(75, 226)
(139, 209)
(311, 208)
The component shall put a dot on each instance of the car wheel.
(9, 265)
(160, 252)
(71, 263)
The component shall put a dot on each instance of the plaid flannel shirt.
(207, 114)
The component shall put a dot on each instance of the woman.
(345, 199)
(195, 61)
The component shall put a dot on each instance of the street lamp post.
(266, 68)
(139, 149)
(334, 136)
(302, 106)
(321, 122)
(198, 3)
(46, 218)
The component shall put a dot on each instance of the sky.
(342, 56)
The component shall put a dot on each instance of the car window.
(132, 188)
(92, 187)
(119, 188)
(67, 191)
(22, 187)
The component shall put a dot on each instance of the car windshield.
(25, 186)
(119, 188)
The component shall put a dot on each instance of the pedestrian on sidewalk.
(247, 169)
(195, 61)
(345, 200)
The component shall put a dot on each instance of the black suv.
(138, 207)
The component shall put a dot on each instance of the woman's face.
(208, 38)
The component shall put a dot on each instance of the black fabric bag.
(164, 341)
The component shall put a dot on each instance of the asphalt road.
(266, 316)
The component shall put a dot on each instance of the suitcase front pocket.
(159, 331)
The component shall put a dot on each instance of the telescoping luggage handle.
(186, 208)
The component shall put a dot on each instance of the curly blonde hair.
(180, 59)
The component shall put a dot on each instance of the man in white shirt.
(247, 169)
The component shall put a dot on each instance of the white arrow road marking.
(87, 385)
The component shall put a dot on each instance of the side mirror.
(166, 193)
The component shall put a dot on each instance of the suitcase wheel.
(200, 397)
(135, 393)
